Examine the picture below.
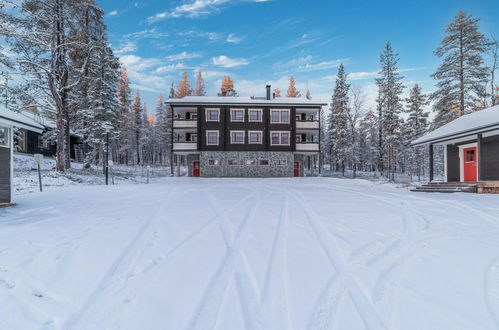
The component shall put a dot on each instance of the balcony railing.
(307, 124)
(185, 146)
(185, 123)
(307, 146)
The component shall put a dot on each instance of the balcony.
(185, 146)
(185, 123)
(307, 124)
(307, 146)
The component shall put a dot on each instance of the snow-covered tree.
(389, 106)
(494, 87)
(338, 132)
(163, 130)
(292, 91)
(462, 75)
(368, 142)
(227, 87)
(183, 88)
(124, 118)
(200, 88)
(356, 111)
(137, 122)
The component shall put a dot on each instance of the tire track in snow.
(491, 291)
(129, 253)
(364, 305)
(208, 309)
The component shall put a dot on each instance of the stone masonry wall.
(243, 170)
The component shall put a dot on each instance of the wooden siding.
(490, 158)
(5, 183)
(453, 166)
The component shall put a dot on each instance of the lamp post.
(108, 129)
(38, 160)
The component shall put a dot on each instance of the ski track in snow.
(364, 266)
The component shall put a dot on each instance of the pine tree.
(415, 127)
(338, 121)
(227, 87)
(389, 106)
(292, 91)
(162, 126)
(368, 142)
(494, 89)
(308, 95)
(183, 88)
(462, 74)
(172, 94)
(124, 118)
(137, 118)
(277, 92)
(200, 88)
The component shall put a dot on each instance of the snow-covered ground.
(294, 253)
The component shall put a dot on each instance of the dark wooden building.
(471, 149)
(246, 136)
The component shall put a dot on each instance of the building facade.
(245, 136)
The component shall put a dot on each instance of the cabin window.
(20, 138)
(279, 116)
(279, 138)
(255, 115)
(237, 137)
(43, 143)
(212, 114)
(281, 162)
(212, 138)
(237, 115)
(251, 162)
(264, 162)
(470, 155)
(233, 162)
(213, 162)
(4, 136)
(255, 137)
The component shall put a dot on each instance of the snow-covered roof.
(19, 119)
(473, 123)
(199, 100)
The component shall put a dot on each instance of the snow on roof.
(471, 123)
(243, 100)
(19, 119)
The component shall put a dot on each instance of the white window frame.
(232, 119)
(249, 137)
(208, 140)
(260, 160)
(280, 121)
(258, 120)
(238, 131)
(207, 117)
(216, 162)
(280, 138)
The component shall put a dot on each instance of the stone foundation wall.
(243, 170)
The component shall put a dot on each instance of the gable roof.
(200, 100)
(19, 119)
(470, 124)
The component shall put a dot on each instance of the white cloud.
(321, 65)
(183, 56)
(362, 75)
(138, 63)
(233, 38)
(147, 33)
(227, 62)
(169, 68)
(113, 13)
(129, 47)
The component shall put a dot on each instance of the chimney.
(268, 92)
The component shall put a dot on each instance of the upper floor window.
(237, 115)
(237, 137)
(255, 137)
(212, 114)
(255, 115)
(279, 138)
(279, 116)
(212, 138)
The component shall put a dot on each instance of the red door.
(470, 161)
(196, 169)
(296, 169)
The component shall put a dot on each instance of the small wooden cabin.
(471, 149)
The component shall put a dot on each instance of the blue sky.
(259, 41)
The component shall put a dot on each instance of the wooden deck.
(482, 187)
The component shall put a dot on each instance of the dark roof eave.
(250, 104)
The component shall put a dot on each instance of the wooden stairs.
(447, 187)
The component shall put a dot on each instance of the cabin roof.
(474, 123)
(19, 119)
(241, 100)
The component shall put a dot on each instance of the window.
(4, 136)
(194, 137)
(251, 162)
(213, 162)
(281, 162)
(237, 137)
(255, 115)
(279, 138)
(194, 115)
(212, 138)
(255, 137)
(233, 162)
(43, 143)
(298, 139)
(298, 117)
(20, 140)
(279, 116)
(264, 162)
(212, 114)
(236, 114)
(470, 155)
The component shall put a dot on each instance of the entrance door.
(470, 162)
(196, 169)
(296, 169)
